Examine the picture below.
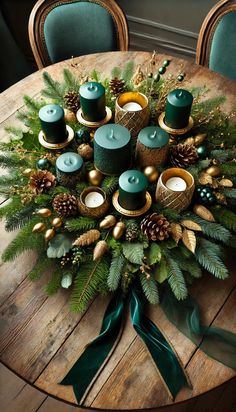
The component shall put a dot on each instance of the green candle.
(132, 190)
(112, 149)
(152, 146)
(52, 123)
(178, 108)
(92, 101)
(69, 167)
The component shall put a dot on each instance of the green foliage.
(110, 184)
(24, 240)
(71, 82)
(176, 279)
(95, 76)
(54, 283)
(187, 264)
(116, 72)
(197, 167)
(212, 230)
(12, 161)
(53, 89)
(80, 187)
(230, 193)
(11, 207)
(160, 271)
(171, 215)
(117, 267)
(19, 218)
(32, 104)
(41, 265)
(127, 73)
(228, 169)
(80, 224)
(223, 154)
(87, 282)
(150, 290)
(153, 254)
(14, 132)
(115, 245)
(43, 200)
(11, 180)
(208, 256)
(225, 217)
(133, 252)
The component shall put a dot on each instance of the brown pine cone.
(72, 101)
(183, 155)
(65, 204)
(117, 86)
(41, 181)
(155, 227)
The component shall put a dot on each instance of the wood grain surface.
(40, 339)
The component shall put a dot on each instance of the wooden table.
(40, 339)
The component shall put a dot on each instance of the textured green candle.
(132, 190)
(92, 101)
(52, 123)
(153, 137)
(152, 147)
(178, 108)
(69, 167)
(112, 149)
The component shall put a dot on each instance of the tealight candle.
(132, 189)
(132, 107)
(177, 184)
(69, 167)
(93, 199)
(178, 108)
(92, 101)
(93, 202)
(152, 146)
(52, 123)
(112, 149)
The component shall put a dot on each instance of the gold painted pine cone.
(65, 204)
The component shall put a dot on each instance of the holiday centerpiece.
(124, 186)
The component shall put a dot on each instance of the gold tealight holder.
(93, 202)
(56, 146)
(132, 111)
(175, 189)
(170, 130)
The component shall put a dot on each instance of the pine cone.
(132, 229)
(41, 181)
(117, 86)
(67, 258)
(183, 155)
(72, 101)
(65, 204)
(87, 238)
(155, 227)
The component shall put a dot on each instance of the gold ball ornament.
(50, 233)
(85, 151)
(44, 212)
(189, 140)
(107, 222)
(27, 172)
(199, 138)
(118, 230)
(151, 173)
(57, 222)
(39, 227)
(69, 116)
(95, 177)
(213, 171)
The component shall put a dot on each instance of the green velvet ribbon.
(162, 354)
(217, 343)
(84, 371)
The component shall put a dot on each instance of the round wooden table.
(40, 339)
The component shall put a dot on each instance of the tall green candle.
(53, 124)
(152, 146)
(132, 190)
(178, 108)
(112, 149)
(92, 101)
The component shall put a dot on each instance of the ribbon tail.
(84, 371)
(217, 343)
(162, 353)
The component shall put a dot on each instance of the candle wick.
(153, 135)
(112, 136)
(180, 94)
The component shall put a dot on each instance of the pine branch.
(15, 133)
(54, 89)
(11, 161)
(110, 184)
(40, 267)
(54, 283)
(225, 217)
(11, 207)
(95, 75)
(11, 180)
(228, 169)
(212, 230)
(32, 104)
(19, 218)
(80, 224)
(116, 72)
(87, 283)
(71, 82)
(223, 155)
(230, 193)
(117, 267)
(128, 71)
(188, 265)
(24, 240)
(172, 215)
(150, 290)
(176, 278)
(208, 256)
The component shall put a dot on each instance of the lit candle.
(132, 190)
(178, 108)
(94, 199)
(152, 147)
(92, 101)
(177, 184)
(52, 123)
(112, 149)
(132, 107)
(69, 167)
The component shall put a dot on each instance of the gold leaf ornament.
(87, 238)
(176, 231)
(100, 249)
(189, 240)
(190, 224)
(226, 183)
(203, 212)
(205, 179)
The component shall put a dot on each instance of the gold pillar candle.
(132, 111)
(152, 147)
(175, 189)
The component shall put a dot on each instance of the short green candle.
(152, 146)
(112, 149)
(132, 190)
(153, 137)
(53, 124)
(92, 101)
(69, 167)
(178, 108)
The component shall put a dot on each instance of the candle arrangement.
(132, 111)
(152, 147)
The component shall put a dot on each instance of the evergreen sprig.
(54, 282)
(80, 224)
(53, 89)
(11, 207)
(110, 184)
(19, 218)
(117, 267)
(208, 255)
(213, 230)
(71, 82)
(225, 217)
(12, 161)
(150, 289)
(176, 278)
(228, 169)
